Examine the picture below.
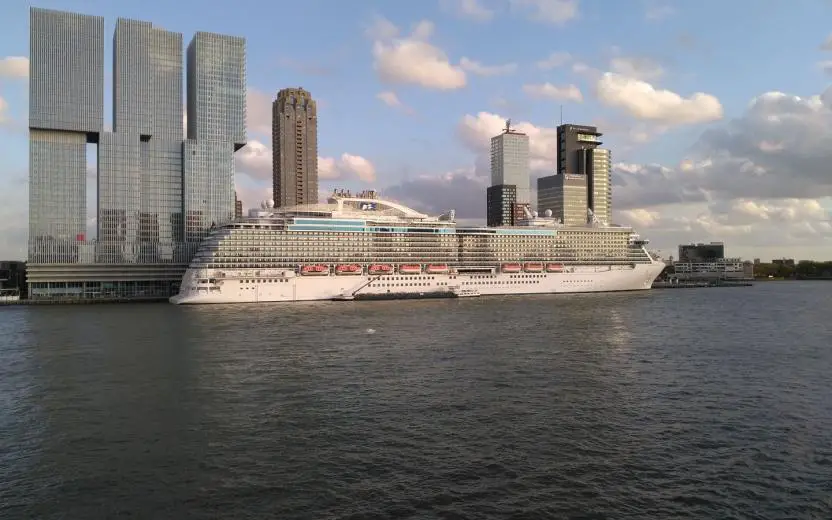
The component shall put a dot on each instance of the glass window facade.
(510, 163)
(566, 196)
(217, 88)
(66, 71)
(57, 195)
(600, 186)
(147, 81)
(208, 187)
(141, 249)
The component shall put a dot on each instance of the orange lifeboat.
(533, 267)
(511, 268)
(315, 270)
(437, 269)
(380, 269)
(410, 269)
(348, 269)
(554, 268)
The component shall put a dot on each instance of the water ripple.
(671, 404)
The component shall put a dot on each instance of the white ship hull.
(251, 287)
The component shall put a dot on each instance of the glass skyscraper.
(66, 97)
(140, 161)
(216, 129)
(152, 181)
(510, 163)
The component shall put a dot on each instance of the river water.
(690, 403)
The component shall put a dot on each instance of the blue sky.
(425, 152)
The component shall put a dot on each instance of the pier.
(701, 284)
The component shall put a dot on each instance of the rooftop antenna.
(508, 125)
(561, 114)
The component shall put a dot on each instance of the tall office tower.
(565, 195)
(572, 140)
(510, 162)
(501, 203)
(140, 161)
(216, 129)
(294, 148)
(66, 99)
(578, 153)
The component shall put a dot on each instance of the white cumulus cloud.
(413, 60)
(643, 101)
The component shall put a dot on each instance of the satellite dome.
(270, 203)
(548, 213)
(534, 213)
(263, 204)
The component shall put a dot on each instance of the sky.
(718, 114)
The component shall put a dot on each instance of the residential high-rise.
(140, 161)
(294, 148)
(579, 153)
(66, 111)
(599, 184)
(501, 202)
(148, 175)
(572, 139)
(216, 129)
(565, 195)
(510, 162)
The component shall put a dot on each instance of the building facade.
(701, 253)
(66, 111)
(155, 188)
(565, 195)
(217, 98)
(501, 204)
(599, 184)
(140, 161)
(510, 162)
(12, 280)
(572, 140)
(294, 148)
(579, 153)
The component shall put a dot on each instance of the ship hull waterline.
(253, 289)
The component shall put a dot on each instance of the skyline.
(409, 99)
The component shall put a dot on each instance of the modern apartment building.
(510, 162)
(579, 153)
(294, 148)
(66, 111)
(217, 100)
(501, 203)
(565, 195)
(158, 193)
(599, 184)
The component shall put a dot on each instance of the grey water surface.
(693, 403)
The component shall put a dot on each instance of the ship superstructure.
(362, 246)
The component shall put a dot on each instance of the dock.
(702, 284)
(78, 301)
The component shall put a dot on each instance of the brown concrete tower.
(294, 148)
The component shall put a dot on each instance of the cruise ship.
(366, 247)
